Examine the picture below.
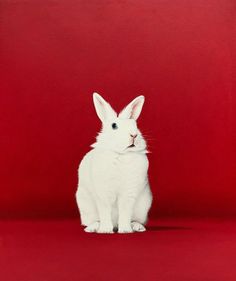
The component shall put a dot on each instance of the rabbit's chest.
(114, 173)
(129, 168)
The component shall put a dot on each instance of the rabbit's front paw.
(105, 228)
(125, 229)
(93, 227)
(137, 227)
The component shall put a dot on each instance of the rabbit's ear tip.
(96, 95)
(139, 98)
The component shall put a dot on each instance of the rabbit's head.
(119, 132)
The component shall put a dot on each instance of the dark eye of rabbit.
(114, 126)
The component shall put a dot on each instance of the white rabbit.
(113, 190)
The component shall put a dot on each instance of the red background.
(180, 54)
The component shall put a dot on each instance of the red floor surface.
(170, 250)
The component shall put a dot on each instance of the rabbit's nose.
(133, 136)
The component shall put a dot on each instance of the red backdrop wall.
(180, 54)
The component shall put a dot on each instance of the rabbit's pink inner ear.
(99, 104)
(137, 106)
(134, 110)
(103, 108)
(99, 100)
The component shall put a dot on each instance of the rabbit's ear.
(133, 109)
(103, 108)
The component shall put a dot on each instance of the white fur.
(113, 190)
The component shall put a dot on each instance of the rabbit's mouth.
(132, 145)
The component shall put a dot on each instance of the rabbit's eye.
(114, 126)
